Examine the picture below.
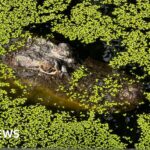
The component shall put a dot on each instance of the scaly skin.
(44, 56)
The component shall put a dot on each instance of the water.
(122, 124)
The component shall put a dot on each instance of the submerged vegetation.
(122, 25)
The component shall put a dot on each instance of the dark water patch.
(110, 51)
(96, 2)
(100, 51)
(116, 43)
(147, 19)
(129, 29)
(70, 6)
(143, 108)
(146, 84)
(107, 9)
(40, 2)
(94, 50)
(132, 1)
(134, 69)
(39, 29)
(125, 124)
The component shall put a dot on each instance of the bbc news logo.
(9, 134)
